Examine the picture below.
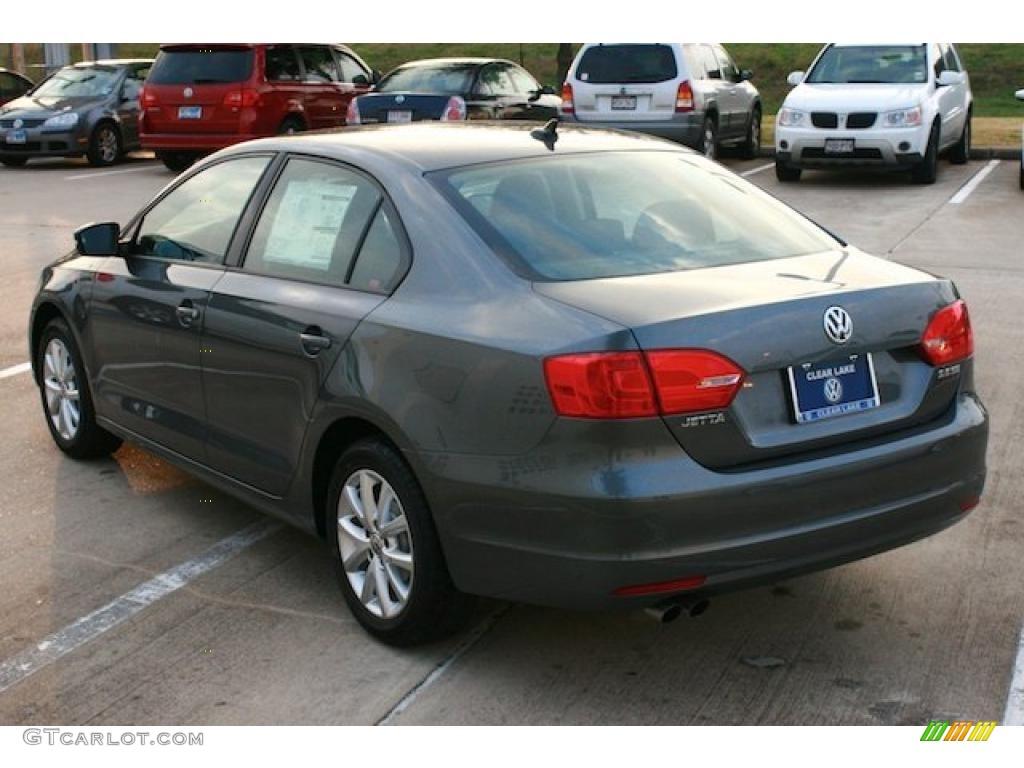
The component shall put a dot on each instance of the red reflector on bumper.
(967, 506)
(663, 586)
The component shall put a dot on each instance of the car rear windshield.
(627, 64)
(79, 82)
(612, 214)
(201, 65)
(871, 64)
(449, 79)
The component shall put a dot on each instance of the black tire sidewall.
(752, 145)
(14, 162)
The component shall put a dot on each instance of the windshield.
(871, 64)
(77, 82)
(627, 64)
(625, 213)
(450, 79)
(195, 67)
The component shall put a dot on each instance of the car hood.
(46, 106)
(859, 97)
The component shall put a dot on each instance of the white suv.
(692, 93)
(896, 106)
(1020, 95)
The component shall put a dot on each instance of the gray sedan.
(89, 109)
(575, 368)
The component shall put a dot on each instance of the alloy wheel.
(107, 142)
(61, 387)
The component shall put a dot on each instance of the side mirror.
(1020, 94)
(949, 77)
(745, 75)
(375, 76)
(360, 80)
(795, 78)
(98, 239)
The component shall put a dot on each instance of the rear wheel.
(752, 146)
(961, 151)
(291, 124)
(927, 170)
(104, 145)
(785, 172)
(1022, 175)
(67, 402)
(709, 138)
(176, 161)
(14, 162)
(388, 558)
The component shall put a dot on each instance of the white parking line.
(759, 168)
(965, 191)
(96, 174)
(87, 628)
(1014, 714)
(14, 370)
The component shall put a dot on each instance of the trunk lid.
(768, 316)
(401, 107)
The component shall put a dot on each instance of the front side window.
(726, 66)
(871, 64)
(313, 223)
(949, 58)
(627, 64)
(319, 63)
(79, 82)
(522, 80)
(196, 220)
(624, 213)
(350, 68)
(710, 63)
(494, 81)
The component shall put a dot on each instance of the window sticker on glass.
(307, 223)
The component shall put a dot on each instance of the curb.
(977, 153)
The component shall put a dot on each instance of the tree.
(563, 60)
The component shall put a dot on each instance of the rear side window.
(195, 66)
(627, 64)
(282, 64)
(313, 223)
(196, 220)
(380, 259)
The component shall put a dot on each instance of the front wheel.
(927, 170)
(388, 558)
(752, 146)
(14, 162)
(104, 146)
(786, 173)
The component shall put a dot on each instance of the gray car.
(692, 93)
(89, 109)
(569, 367)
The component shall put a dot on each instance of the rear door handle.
(314, 341)
(187, 314)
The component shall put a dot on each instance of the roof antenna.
(548, 134)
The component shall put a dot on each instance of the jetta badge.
(838, 325)
(188, 93)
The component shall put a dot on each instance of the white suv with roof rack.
(692, 93)
(895, 106)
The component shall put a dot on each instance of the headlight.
(63, 120)
(790, 117)
(903, 118)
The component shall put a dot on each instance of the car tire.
(394, 547)
(961, 151)
(67, 401)
(105, 145)
(177, 161)
(787, 173)
(14, 162)
(1022, 176)
(751, 147)
(709, 138)
(927, 170)
(291, 124)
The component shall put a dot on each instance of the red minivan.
(201, 97)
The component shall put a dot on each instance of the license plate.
(16, 137)
(623, 102)
(190, 113)
(833, 388)
(399, 116)
(838, 146)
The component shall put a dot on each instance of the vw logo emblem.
(188, 93)
(399, 99)
(833, 390)
(838, 325)
(18, 123)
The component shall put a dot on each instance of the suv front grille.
(861, 119)
(825, 119)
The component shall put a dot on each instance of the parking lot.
(132, 597)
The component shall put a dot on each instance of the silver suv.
(692, 93)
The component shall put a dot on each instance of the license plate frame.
(624, 103)
(190, 113)
(833, 388)
(16, 136)
(399, 116)
(840, 146)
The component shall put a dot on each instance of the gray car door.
(146, 307)
(128, 106)
(325, 250)
(733, 100)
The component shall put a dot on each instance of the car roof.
(111, 62)
(456, 60)
(431, 146)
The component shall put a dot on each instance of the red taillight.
(948, 337)
(684, 97)
(455, 109)
(622, 385)
(663, 586)
(147, 98)
(242, 98)
(567, 105)
(352, 113)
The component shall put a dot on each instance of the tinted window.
(80, 81)
(319, 63)
(625, 213)
(522, 80)
(449, 79)
(196, 220)
(494, 80)
(195, 66)
(282, 64)
(627, 64)
(11, 86)
(312, 223)
(871, 64)
(380, 259)
(350, 68)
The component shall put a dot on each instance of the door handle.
(187, 314)
(314, 341)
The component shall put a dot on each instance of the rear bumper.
(684, 128)
(210, 142)
(569, 525)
